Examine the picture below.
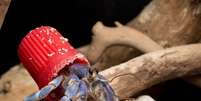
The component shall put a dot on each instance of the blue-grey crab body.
(80, 84)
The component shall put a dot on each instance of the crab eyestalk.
(45, 53)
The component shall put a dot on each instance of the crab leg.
(45, 91)
(86, 81)
(101, 88)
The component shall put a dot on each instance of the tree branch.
(142, 72)
(121, 35)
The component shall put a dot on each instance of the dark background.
(74, 19)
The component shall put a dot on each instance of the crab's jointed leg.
(45, 91)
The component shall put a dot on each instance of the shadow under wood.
(111, 56)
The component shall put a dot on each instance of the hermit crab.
(60, 71)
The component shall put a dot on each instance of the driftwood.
(167, 23)
(105, 37)
(17, 83)
(4, 4)
(129, 78)
(163, 22)
(157, 21)
(141, 72)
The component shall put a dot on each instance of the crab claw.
(98, 87)
(76, 90)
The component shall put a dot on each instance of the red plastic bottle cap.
(44, 52)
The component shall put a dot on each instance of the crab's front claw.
(97, 86)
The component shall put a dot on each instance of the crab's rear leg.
(45, 91)
(101, 88)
